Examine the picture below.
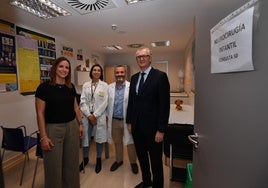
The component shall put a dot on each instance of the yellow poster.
(28, 65)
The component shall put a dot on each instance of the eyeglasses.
(142, 56)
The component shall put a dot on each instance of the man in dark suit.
(147, 117)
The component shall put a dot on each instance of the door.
(231, 116)
(109, 74)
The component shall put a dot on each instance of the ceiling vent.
(88, 6)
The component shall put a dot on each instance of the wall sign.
(231, 43)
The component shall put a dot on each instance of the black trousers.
(149, 155)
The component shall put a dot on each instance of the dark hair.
(120, 66)
(124, 66)
(53, 72)
(91, 70)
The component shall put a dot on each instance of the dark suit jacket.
(150, 108)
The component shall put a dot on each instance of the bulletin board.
(36, 53)
(8, 65)
(6, 27)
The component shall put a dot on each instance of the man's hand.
(159, 137)
(129, 128)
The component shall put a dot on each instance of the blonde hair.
(145, 48)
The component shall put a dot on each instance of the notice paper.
(231, 44)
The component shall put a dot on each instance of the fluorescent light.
(113, 47)
(134, 1)
(160, 43)
(42, 8)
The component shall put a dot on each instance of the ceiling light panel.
(160, 43)
(42, 8)
(135, 1)
(113, 47)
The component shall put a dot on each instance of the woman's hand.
(46, 144)
(81, 131)
(92, 119)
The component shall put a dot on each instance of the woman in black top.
(60, 125)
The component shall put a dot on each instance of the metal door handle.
(194, 139)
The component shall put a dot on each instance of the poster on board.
(8, 65)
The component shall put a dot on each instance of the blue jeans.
(99, 146)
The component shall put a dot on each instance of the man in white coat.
(117, 127)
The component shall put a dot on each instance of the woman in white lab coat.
(93, 103)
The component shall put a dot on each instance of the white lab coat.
(111, 91)
(100, 104)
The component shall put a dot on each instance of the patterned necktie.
(141, 81)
